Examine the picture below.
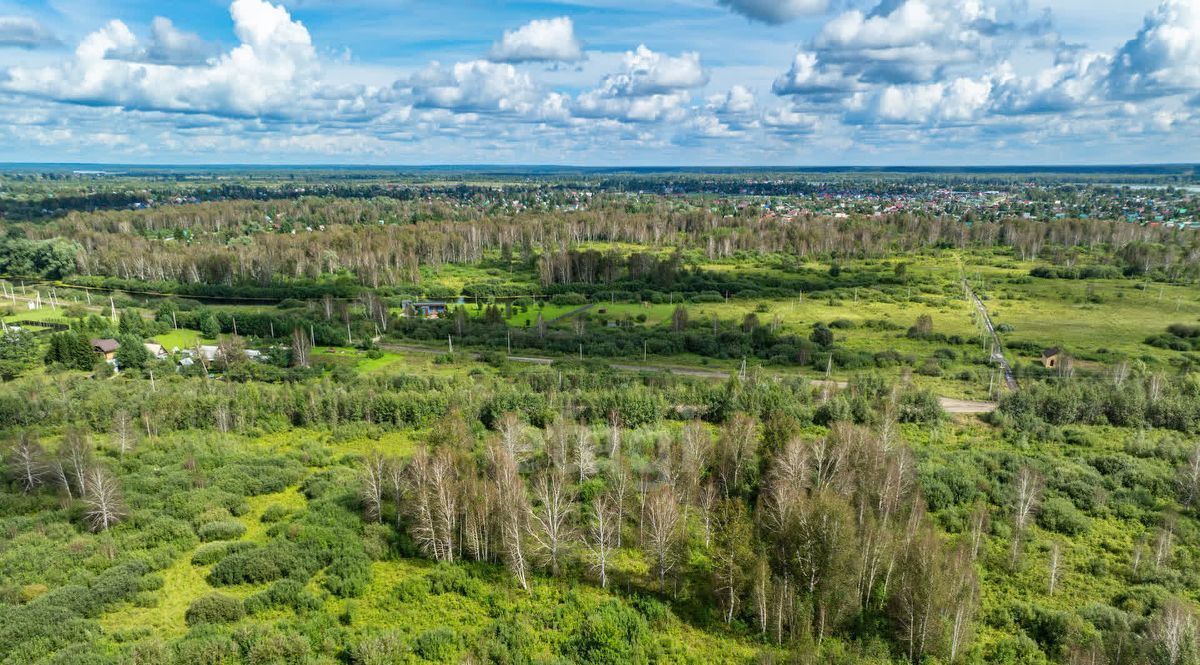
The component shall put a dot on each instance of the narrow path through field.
(950, 404)
(575, 312)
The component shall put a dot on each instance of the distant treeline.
(264, 243)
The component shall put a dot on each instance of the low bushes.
(436, 644)
(214, 608)
(221, 530)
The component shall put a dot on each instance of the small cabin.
(1051, 357)
(106, 347)
(428, 309)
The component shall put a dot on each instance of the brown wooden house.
(1052, 357)
(106, 347)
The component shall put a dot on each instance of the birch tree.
(1027, 489)
(512, 512)
(103, 506)
(602, 536)
(662, 530)
(124, 434)
(27, 462)
(373, 486)
(553, 529)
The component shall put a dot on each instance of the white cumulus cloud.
(961, 100)
(546, 40)
(475, 86)
(1164, 57)
(651, 86)
(270, 72)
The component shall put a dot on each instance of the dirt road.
(949, 404)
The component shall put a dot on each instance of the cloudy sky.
(601, 82)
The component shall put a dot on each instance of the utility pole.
(349, 337)
(510, 342)
(234, 325)
(643, 351)
(112, 309)
(450, 340)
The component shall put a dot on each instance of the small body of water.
(1194, 189)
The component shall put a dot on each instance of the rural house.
(106, 347)
(1051, 357)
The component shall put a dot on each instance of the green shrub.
(275, 513)
(506, 642)
(205, 648)
(263, 564)
(210, 553)
(284, 593)
(214, 608)
(611, 634)
(436, 644)
(455, 579)
(348, 574)
(412, 590)
(385, 647)
(223, 530)
(1059, 514)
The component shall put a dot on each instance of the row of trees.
(74, 472)
(120, 244)
(816, 537)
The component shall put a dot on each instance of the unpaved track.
(951, 405)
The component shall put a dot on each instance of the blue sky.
(601, 82)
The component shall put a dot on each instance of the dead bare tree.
(735, 453)
(964, 601)
(1027, 489)
(124, 434)
(614, 434)
(1173, 634)
(1188, 480)
(103, 504)
(583, 453)
(432, 500)
(980, 518)
(27, 462)
(478, 508)
(301, 346)
(662, 530)
(514, 436)
(1052, 567)
(553, 528)
(1163, 543)
(602, 536)
(512, 508)
(619, 487)
(374, 486)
